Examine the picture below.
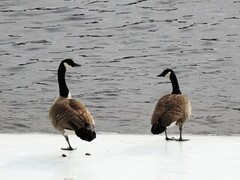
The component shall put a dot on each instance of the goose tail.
(86, 133)
(157, 128)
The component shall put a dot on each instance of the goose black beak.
(160, 75)
(76, 65)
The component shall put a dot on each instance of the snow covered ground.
(118, 156)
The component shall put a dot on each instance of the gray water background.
(122, 46)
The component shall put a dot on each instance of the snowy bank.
(118, 156)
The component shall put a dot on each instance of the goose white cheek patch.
(67, 65)
(168, 75)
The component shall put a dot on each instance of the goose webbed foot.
(68, 149)
(170, 139)
(181, 139)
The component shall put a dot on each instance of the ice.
(119, 156)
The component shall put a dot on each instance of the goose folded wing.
(171, 116)
(71, 114)
(156, 116)
(81, 111)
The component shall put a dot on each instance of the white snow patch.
(119, 157)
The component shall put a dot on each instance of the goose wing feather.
(171, 108)
(69, 114)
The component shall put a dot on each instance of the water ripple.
(122, 46)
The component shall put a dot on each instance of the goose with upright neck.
(63, 89)
(70, 114)
(174, 108)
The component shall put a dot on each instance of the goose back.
(69, 114)
(171, 108)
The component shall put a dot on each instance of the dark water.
(122, 46)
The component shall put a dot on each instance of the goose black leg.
(69, 148)
(180, 138)
(167, 138)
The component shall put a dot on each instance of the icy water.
(122, 46)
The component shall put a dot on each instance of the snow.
(119, 156)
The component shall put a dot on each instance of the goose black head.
(166, 73)
(169, 73)
(69, 63)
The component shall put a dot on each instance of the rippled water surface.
(122, 46)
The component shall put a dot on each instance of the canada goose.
(70, 114)
(171, 108)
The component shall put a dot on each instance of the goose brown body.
(171, 108)
(69, 114)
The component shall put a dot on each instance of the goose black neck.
(175, 86)
(63, 89)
